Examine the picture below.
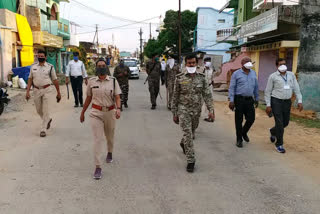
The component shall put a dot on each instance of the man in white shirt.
(77, 72)
(281, 84)
(163, 70)
(208, 72)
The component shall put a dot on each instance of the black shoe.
(76, 105)
(183, 149)
(246, 138)
(210, 120)
(126, 105)
(272, 137)
(190, 167)
(239, 143)
(81, 105)
(153, 107)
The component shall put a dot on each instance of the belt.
(244, 97)
(102, 108)
(283, 100)
(42, 87)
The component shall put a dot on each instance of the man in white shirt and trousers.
(209, 73)
(281, 84)
(77, 72)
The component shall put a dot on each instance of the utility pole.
(150, 30)
(179, 16)
(141, 54)
(97, 41)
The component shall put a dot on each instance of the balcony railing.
(226, 35)
(269, 4)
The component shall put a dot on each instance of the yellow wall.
(295, 60)
(255, 57)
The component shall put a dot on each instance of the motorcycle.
(4, 100)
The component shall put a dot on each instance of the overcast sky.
(126, 38)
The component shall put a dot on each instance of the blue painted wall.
(207, 28)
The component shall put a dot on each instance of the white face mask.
(171, 63)
(248, 65)
(282, 68)
(191, 70)
(208, 64)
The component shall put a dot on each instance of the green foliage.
(153, 47)
(169, 37)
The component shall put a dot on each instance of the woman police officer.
(104, 93)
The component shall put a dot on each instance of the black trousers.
(244, 106)
(76, 83)
(281, 112)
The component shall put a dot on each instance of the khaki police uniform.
(103, 113)
(42, 77)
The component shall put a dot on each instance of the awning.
(26, 38)
(225, 6)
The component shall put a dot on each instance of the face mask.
(191, 70)
(156, 59)
(282, 68)
(248, 65)
(40, 59)
(101, 71)
(171, 62)
(76, 58)
(208, 64)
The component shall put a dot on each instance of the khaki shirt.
(41, 74)
(102, 91)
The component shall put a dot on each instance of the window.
(202, 19)
(221, 21)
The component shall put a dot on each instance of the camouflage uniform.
(188, 93)
(122, 76)
(170, 75)
(154, 73)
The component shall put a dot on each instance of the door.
(266, 67)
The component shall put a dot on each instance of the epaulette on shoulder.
(111, 77)
(92, 78)
(50, 64)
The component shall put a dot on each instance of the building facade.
(268, 32)
(209, 22)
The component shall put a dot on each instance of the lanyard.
(285, 79)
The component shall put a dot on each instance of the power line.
(103, 13)
(121, 26)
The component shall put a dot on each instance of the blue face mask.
(75, 58)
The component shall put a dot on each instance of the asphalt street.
(54, 174)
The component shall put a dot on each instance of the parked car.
(134, 69)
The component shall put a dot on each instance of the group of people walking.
(188, 88)
(244, 98)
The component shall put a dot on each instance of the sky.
(114, 13)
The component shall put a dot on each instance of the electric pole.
(141, 54)
(179, 16)
(150, 30)
(97, 41)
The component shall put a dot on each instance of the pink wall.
(232, 64)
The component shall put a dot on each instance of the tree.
(168, 38)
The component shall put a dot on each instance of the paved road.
(54, 175)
